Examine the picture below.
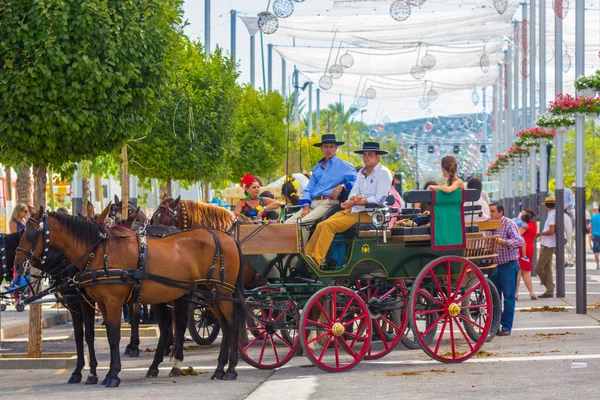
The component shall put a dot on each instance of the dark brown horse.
(174, 265)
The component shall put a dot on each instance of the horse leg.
(224, 350)
(78, 333)
(228, 310)
(180, 307)
(164, 324)
(133, 348)
(112, 317)
(89, 314)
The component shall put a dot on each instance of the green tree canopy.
(78, 78)
(260, 134)
(192, 139)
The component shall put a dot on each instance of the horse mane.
(83, 231)
(207, 215)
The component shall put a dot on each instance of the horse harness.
(3, 255)
(87, 278)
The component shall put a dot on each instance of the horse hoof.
(218, 375)
(113, 382)
(152, 373)
(91, 380)
(135, 352)
(175, 372)
(105, 381)
(75, 378)
(127, 350)
(231, 376)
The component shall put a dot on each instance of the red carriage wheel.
(441, 289)
(273, 331)
(337, 317)
(388, 325)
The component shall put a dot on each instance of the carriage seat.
(410, 211)
(424, 196)
(411, 230)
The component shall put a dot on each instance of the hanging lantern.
(400, 10)
(561, 8)
(267, 22)
(484, 63)
(362, 101)
(566, 62)
(386, 120)
(416, 3)
(427, 126)
(524, 35)
(432, 95)
(417, 71)
(475, 97)
(336, 71)
(428, 61)
(397, 156)
(501, 6)
(371, 93)
(325, 82)
(354, 109)
(299, 1)
(424, 102)
(283, 8)
(347, 60)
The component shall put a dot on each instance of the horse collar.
(184, 215)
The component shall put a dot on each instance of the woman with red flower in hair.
(253, 207)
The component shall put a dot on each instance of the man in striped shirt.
(505, 275)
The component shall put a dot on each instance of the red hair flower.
(247, 180)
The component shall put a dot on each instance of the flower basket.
(555, 121)
(587, 86)
(532, 137)
(568, 105)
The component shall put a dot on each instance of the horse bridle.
(33, 236)
(173, 219)
(3, 254)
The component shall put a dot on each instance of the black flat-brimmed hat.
(370, 146)
(328, 138)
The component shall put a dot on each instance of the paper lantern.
(400, 10)
(267, 22)
(283, 8)
(325, 82)
(428, 126)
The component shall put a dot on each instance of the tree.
(260, 134)
(193, 137)
(77, 79)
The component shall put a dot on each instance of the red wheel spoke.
(324, 313)
(347, 308)
(348, 348)
(452, 344)
(463, 333)
(336, 350)
(281, 314)
(389, 321)
(437, 284)
(440, 310)
(470, 321)
(325, 348)
(440, 338)
(468, 292)
(449, 278)
(430, 297)
(334, 306)
(381, 335)
(262, 350)
(475, 306)
(431, 326)
(353, 320)
(320, 325)
(274, 348)
(283, 340)
(254, 341)
(356, 337)
(318, 337)
(460, 281)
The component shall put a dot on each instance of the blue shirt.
(324, 180)
(569, 199)
(595, 221)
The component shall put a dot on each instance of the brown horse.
(174, 265)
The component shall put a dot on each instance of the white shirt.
(374, 188)
(485, 211)
(549, 240)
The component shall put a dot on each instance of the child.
(521, 224)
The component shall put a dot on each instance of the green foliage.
(192, 139)
(260, 135)
(78, 78)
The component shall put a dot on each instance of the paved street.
(536, 362)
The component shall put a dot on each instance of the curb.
(144, 331)
(22, 328)
(48, 361)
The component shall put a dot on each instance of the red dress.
(529, 236)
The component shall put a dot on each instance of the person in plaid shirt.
(505, 274)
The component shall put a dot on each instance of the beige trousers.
(317, 209)
(543, 268)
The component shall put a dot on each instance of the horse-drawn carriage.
(378, 284)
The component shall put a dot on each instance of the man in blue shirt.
(595, 222)
(329, 177)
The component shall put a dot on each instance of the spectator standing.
(595, 228)
(529, 233)
(505, 274)
(396, 191)
(19, 218)
(543, 268)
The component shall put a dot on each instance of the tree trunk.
(98, 191)
(206, 192)
(51, 190)
(124, 184)
(34, 342)
(9, 188)
(86, 194)
(170, 187)
(24, 185)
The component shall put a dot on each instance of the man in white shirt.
(372, 186)
(543, 268)
(484, 214)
